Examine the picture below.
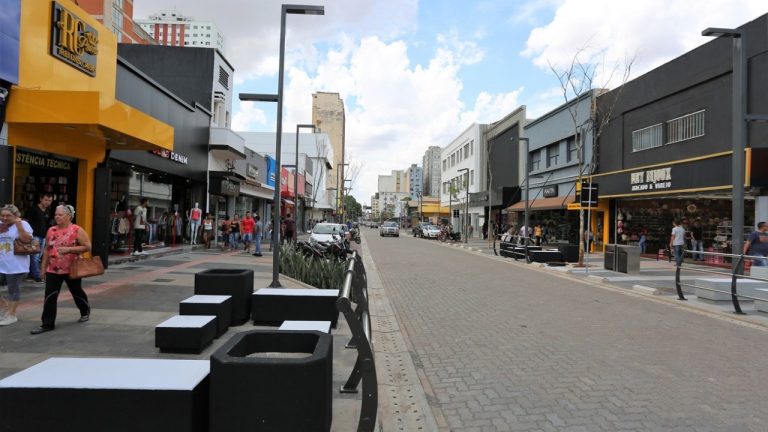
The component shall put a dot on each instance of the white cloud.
(248, 116)
(610, 30)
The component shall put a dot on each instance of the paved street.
(505, 347)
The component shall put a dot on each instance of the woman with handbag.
(64, 243)
(15, 248)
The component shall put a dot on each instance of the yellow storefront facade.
(63, 117)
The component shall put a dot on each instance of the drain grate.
(163, 280)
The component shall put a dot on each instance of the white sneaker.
(142, 253)
(10, 319)
(135, 253)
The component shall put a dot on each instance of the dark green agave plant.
(318, 272)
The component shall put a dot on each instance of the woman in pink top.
(64, 242)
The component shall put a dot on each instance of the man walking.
(757, 245)
(697, 241)
(258, 230)
(139, 227)
(677, 242)
(290, 228)
(246, 231)
(39, 217)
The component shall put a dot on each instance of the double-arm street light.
(340, 191)
(296, 173)
(286, 9)
(466, 205)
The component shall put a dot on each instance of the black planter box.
(220, 306)
(570, 252)
(544, 256)
(185, 333)
(257, 386)
(275, 305)
(232, 282)
(116, 395)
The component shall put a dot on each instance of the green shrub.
(318, 272)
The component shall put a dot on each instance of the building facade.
(117, 15)
(172, 28)
(329, 118)
(430, 164)
(462, 175)
(415, 179)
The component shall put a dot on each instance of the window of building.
(472, 147)
(647, 138)
(207, 43)
(207, 27)
(471, 177)
(553, 153)
(466, 151)
(194, 27)
(117, 18)
(444, 165)
(685, 127)
(453, 159)
(571, 146)
(118, 4)
(186, 26)
(186, 43)
(536, 160)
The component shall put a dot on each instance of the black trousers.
(53, 283)
(138, 239)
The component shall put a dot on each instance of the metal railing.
(735, 275)
(355, 290)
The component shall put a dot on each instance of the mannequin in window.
(194, 217)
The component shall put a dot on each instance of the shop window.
(685, 127)
(553, 153)
(647, 138)
(536, 160)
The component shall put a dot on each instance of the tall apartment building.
(329, 118)
(172, 28)
(391, 192)
(430, 165)
(117, 15)
(414, 180)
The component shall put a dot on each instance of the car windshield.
(325, 229)
(390, 224)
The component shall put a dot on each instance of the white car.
(326, 233)
(389, 229)
(430, 231)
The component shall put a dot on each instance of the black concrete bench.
(231, 282)
(220, 306)
(185, 333)
(275, 305)
(545, 256)
(107, 394)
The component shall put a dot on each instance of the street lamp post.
(525, 218)
(286, 9)
(466, 190)
(296, 172)
(340, 192)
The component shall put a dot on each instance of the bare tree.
(322, 153)
(577, 80)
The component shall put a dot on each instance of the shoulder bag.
(21, 247)
(86, 267)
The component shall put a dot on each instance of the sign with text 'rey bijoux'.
(73, 41)
(651, 179)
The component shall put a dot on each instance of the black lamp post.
(286, 9)
(466, 190)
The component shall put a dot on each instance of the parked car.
(430, 231)
(389, 228)
(325, 233)
(417, 229)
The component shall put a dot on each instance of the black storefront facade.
(173, 181)
(666, 152)
(504, 168)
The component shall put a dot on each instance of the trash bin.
(609, 258)
(628, 259)
(237, 283)
(270, 380)
(570, 252)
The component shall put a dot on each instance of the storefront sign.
(550, 191)
(73, 41)
(652, 179)
(225, 187)
(167, 154)
(25, 158)
(252, 171)
(271, 168)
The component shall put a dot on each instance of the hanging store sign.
(651, 179)
(252, 171)
(550, 191)
(73, 41)
(225, 187)
(25, 158)
(167, 154)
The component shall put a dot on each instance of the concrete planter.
(233, 282)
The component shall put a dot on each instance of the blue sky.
(417, 73)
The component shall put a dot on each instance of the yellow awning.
(121, 126)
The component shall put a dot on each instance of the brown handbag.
(31, 247)
(86, 267)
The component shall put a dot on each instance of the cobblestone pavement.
(504, 347)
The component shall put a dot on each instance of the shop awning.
(120, 126)
(289, 202)
(554, 203)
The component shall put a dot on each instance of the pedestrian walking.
(13, 267)
(469, 231)
(258, 230)
(139, 227)
(697, 241)
(677, 242)
(588, 240)
(537, 234)
(64, 243)
(484, 229)
(208, 230)
(643, 240)
(39, 218)
(246, 231)
(757, 245)
(234, 233)
(290, 228)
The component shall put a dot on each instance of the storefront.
(64, 116)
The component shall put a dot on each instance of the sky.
(414, 74)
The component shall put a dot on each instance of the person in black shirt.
(697, 241)
(39, 218)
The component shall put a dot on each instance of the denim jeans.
(678, 251)
(257, 242)
(756, 262)
(697, 246)
(34, 261)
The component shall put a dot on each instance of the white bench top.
(111, 373)
(207, 299)
(321, 326)
(298, 292)
(190, 321)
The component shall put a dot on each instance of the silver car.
(389, 229)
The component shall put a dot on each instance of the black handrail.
(355, 290)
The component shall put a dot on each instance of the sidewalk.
(131, 298)
(656, 277)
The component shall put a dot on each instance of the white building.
(430, 165)
(392, 190)
(462, 164)
(172, 28)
